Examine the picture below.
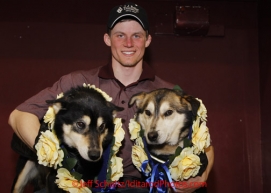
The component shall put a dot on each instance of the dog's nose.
(94, 155)
(152, 136)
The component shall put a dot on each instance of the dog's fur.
(84, 125)
(165, 115)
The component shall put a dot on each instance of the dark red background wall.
(43, 40)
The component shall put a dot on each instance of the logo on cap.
(119, 10)
(130, 8)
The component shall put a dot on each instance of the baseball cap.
(128, 10)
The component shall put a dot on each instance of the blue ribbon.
(156, 175)
(164, 166)
(144, 166)
(190, 133)
(111, 187)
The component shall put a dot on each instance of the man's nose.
(128, 42)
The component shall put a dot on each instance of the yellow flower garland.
(116, 162)
(106, 96)
(50, 154)
(185, 165)
(48, 150)
(68, 183)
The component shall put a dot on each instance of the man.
(125, 75)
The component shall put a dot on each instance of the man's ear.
(148, 42)
(107, 39)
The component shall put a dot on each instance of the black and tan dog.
(84, 125)
(165, 115)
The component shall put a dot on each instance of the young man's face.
(128, 41)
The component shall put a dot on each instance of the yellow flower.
(118, 134)
(134, 129)
(139, 142)
(202, 111)
(200, 136)
(116, 168)
(138, 157)
(106, 96)
(59, 95)
(68, 183)
(116, 162)
(49, 117)
(48, 151)
(185, 165)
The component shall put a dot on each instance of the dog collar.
(157, 159)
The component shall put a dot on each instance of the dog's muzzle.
(152, 136)
(94, 155)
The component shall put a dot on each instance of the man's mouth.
(128, 53)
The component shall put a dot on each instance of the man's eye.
(120, 35)
(81, 125)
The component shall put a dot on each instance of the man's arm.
(211, 156)
(25, 125)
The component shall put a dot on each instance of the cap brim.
(127, 15)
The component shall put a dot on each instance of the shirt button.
(122, 102)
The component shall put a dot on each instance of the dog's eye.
(168, 113)
(80, 125)
(102, 126)
(147, 112)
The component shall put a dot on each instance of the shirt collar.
(106, 72)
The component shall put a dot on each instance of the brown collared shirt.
(103, 78)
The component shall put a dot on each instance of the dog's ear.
(114, 108)
(56, 104)
(194, 104)
(137, 98)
